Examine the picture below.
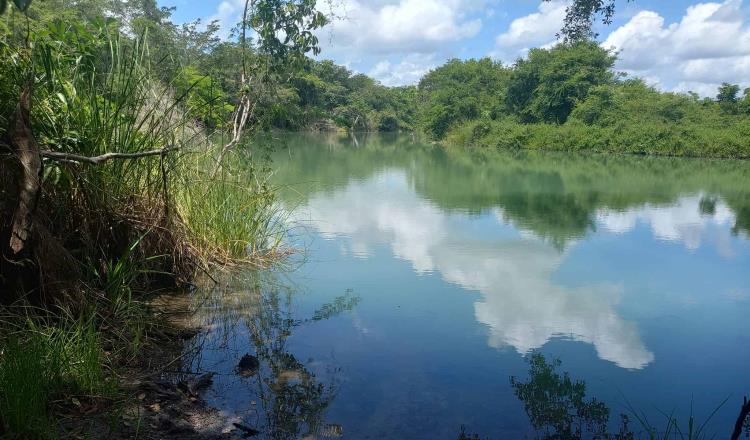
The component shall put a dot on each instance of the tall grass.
(235, 215)
(42, 361)
(98, 94)
(673, 428)
(111, 233)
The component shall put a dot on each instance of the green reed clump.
(96, 93)
(44, 361)
(673, 428)
(235, 214)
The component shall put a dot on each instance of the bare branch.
(96, 160)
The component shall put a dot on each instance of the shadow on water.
(558, 409)
(285, 397)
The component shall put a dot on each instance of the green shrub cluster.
(568, 98)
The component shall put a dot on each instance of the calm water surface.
(430, 277)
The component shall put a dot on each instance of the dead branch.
(744, 412)
(96, 160)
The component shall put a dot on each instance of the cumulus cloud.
(408, 71)
(396, 41)
(521, 305)
(403, 26)
(709, 45)
(538, 29)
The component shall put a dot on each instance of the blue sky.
(682, 45)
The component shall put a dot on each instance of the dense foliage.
(569, 98)
(461, 91)
(107, 192)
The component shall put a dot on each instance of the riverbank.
(109, 194)
(148, 395)
(722, 140)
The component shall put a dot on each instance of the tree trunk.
(20, 181)
(27, 151)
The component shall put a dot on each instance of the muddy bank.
(157, 399)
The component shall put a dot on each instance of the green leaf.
(3, 6)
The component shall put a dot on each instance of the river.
(429, 276)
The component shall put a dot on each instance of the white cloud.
(403, 26)
(409, 71)
(533, 30)
(399, 40)
(385, 26)
(709, 45)
(228, 14)
(396, 40)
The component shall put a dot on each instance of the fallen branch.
(744, 412)
(96, 160)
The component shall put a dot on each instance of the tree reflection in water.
(558, 408)
(255, 314)
(293, 400)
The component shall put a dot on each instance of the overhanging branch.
(96, 160)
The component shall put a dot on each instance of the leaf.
(3, 6)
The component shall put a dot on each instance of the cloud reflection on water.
(520, 304)
(682, 222)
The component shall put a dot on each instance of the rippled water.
(432, 275)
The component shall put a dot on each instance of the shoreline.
(155, 398)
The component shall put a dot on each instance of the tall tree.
(547, 85)
(581, 15)
(728, 93)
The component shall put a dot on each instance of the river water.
(432, 278)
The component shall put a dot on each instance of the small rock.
(248, 366)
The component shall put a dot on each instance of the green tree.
(728, 98)
(728, 93)
(546, 86)
(581, 15)
(205, 100)
(459, 91)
